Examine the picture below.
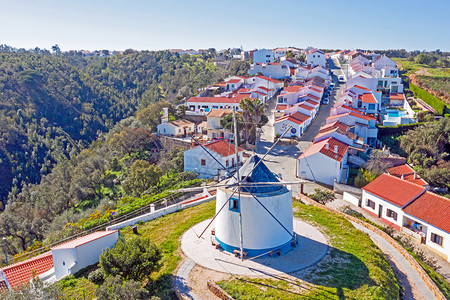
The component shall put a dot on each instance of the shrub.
(96, 276)
(115, 288)
(322, 196)
(136, 259)
(436, 103)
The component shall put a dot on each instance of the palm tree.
(252, 112)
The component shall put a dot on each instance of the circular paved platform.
(311, 248)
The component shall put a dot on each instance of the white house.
(199, 161)
(209, 103)
(176, 128)
(410, 208)
(316, 57)
(271, 70)
(324, 161)
(70, 257)
(364, 125)
(213, 127)
(263, 56)
(383, 62)
(297, 120)
(428, 217)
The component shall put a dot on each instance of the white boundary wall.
(159, 213)
(353, 199)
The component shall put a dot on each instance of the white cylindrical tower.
(260, 230)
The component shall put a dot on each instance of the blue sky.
(152, 25)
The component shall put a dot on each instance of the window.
(380, 83)
(318, 55)
(371, 106)
(370, 203)
(203, 162)
(391, 214)
(226, 163)
(232, 161)
(234, 204)
(437, 239)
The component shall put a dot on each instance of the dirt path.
(423, 71)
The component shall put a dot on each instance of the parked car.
(341, 78)
(325, 100)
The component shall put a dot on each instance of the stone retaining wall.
(390, 240)
(218, 291)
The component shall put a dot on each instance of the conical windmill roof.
(259, 174)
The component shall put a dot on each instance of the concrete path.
(311, 248)
(416, 287)
(182, 278)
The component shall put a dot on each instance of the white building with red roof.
(263, 56)
(70, 257)
(324, 161)
(297, 120)
(199, 161)
(315, 57)
(410, 208)
(363, 125)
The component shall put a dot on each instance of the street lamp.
(4, 247)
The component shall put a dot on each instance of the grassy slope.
(412, 67)
(357, 268)
(165, 232)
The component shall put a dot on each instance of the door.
(380, 211)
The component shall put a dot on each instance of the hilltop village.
(302, 130)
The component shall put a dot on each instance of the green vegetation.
(357, 269)
(52, 106)
(436, 83)
(412, 66)
(136, 259)
(440, 107)
(165, 233)
(427, 148)
(322, 196)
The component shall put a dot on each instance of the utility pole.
(109, 212)
(236, 148)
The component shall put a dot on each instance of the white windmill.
(253, 210)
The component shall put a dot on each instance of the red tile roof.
(397, 96)
(234, 81)
(300, 116)
(281, 106)
(269, 79)
(264, 88)
(306, 107)
(259, 93)
(408, 174)
(219, 113)
(361, 87)
(368, 98)
(222, 147)
(83, 240)
(312, 102)
(292, 88)
(431, 208)
(296, 117)
(22, 272)
(335, 124)
(394, 189)
(322, 148)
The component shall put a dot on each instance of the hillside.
(54, 105)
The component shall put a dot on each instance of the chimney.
(336, 149)
(326, 146)
(415, 175)
(403, 176)
(165, 116)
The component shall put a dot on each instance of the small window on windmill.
(234, 204)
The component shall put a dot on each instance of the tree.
(114, 288)
(132, 139)
(141, 178)
(364, 177)
(56, 49)
(322, 196)
(135, 259)
(252, 112)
